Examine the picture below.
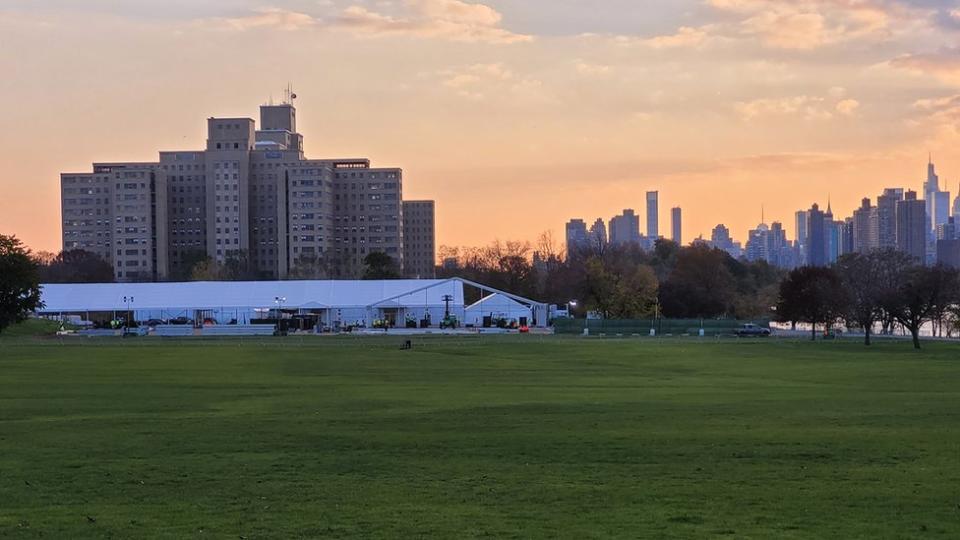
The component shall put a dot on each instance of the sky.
(514, 115)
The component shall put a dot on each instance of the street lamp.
(127, 300)
(279, 300)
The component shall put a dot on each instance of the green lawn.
(463, 437)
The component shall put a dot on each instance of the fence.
(677, 327)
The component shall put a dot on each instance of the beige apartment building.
(251, 195)
(419, 237)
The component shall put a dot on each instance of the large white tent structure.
(332, 302)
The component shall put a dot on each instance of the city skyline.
(525, 100)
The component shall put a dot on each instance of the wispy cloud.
(452, 20)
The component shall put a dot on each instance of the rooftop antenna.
(763, 213)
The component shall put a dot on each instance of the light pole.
(279, 300)
(126, 318)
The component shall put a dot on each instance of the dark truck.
(752, 330)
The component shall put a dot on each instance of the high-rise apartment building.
(912, 226)
(653, 215)
(625, 228)
(419, 237)
(676, 225)
(114, 212)
(251, 196)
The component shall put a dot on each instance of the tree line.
(866, 291)
(623, 281)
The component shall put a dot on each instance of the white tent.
(497, 306)
(345, 301)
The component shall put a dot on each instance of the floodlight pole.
(446, 303)
(126, 319)
(279, 300)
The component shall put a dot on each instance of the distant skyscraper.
(801, 219)
(653, 215)
(598, 234)
(625, 228)
(577, 239)
(756, 249)
(930, 186)
(865, 234)
(846, 237)
(948, 245)
(721, 239)
(887, 217)
(911, 226)
(676, 225)
(832, 235)
(816, 247)
(956, 207)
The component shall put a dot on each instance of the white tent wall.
(348, 302)
(496, 306)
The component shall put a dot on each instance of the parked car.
(752, 330)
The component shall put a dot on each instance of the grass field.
(463, 437)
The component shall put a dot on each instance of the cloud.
(803, 106)
(479, 82)
(809, 24)
(685, 36)
(848, 107)
(268, 18)
(943, 64)
(590, 69)
(452, 20)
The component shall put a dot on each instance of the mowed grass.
(525, 437)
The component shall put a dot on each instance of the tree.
(700, 284)
(379, 265)
(190, 260)
(76, 266)
(867, 279)
(309, 267)
(915, 302)
(813, 295)
(19, 282)
(236, 267)
(620, 293)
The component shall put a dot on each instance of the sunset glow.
(514, 115)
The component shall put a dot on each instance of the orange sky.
(514, 116)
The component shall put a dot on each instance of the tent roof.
(253, 294)
(497, 301)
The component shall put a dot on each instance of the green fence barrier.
(677, 327)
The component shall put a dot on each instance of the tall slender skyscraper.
(803, 228)
(653, 215)
(930, 187)
(676, 225)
